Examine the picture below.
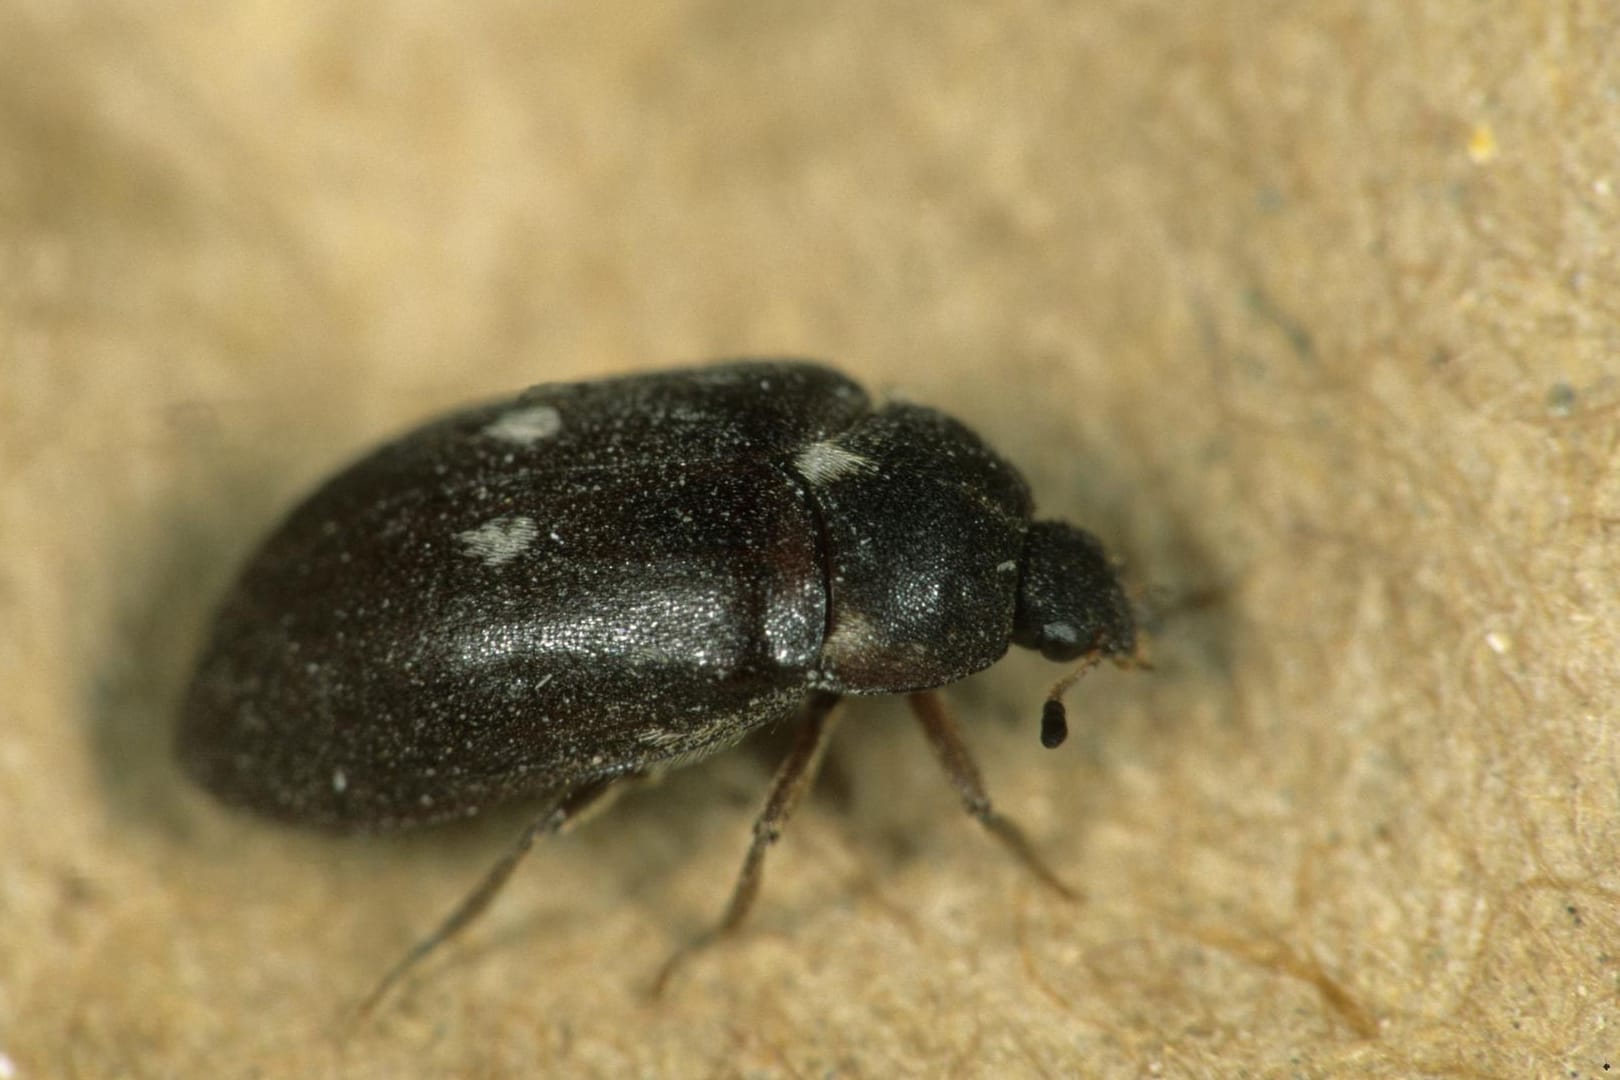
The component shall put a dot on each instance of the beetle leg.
(564, 814)
(793, 778)
(958, 763)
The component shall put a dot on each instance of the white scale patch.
(823, 462)
(525, 426)
(662, 739)
(501, 540)
(689, 745)
(852, 638)
(1008, 567)
(340, 781)
(1061, 632)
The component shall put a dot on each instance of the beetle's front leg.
(958, 763)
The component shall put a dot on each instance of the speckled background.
(1309, 310)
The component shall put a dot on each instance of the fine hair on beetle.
(590, 583)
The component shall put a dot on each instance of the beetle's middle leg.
(562, 816)
(793, 778)
(958, 763)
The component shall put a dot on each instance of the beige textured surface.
(1308, 305)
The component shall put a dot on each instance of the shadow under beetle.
(596, 581)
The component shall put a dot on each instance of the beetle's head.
(1072, 607)
(1071, 603)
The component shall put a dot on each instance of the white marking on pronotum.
(1061, 632)
(527, 425)
(500, 540)
(823, 462)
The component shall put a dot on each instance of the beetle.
(593, 582)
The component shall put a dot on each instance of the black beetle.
(596, 581)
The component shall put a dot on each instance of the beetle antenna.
(1054, 717)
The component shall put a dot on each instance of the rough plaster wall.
(1308, 308)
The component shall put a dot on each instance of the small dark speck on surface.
(1266, 310)
(1561, 399)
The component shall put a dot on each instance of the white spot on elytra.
(527, 425)
(1008, 567)
(501, 539)
(1498, 643)
(340, 781)
(1060, 632)
(680, 744)
(823, 462)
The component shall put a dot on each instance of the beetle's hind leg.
(958, 763)
(565, 813)
(793, 778)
